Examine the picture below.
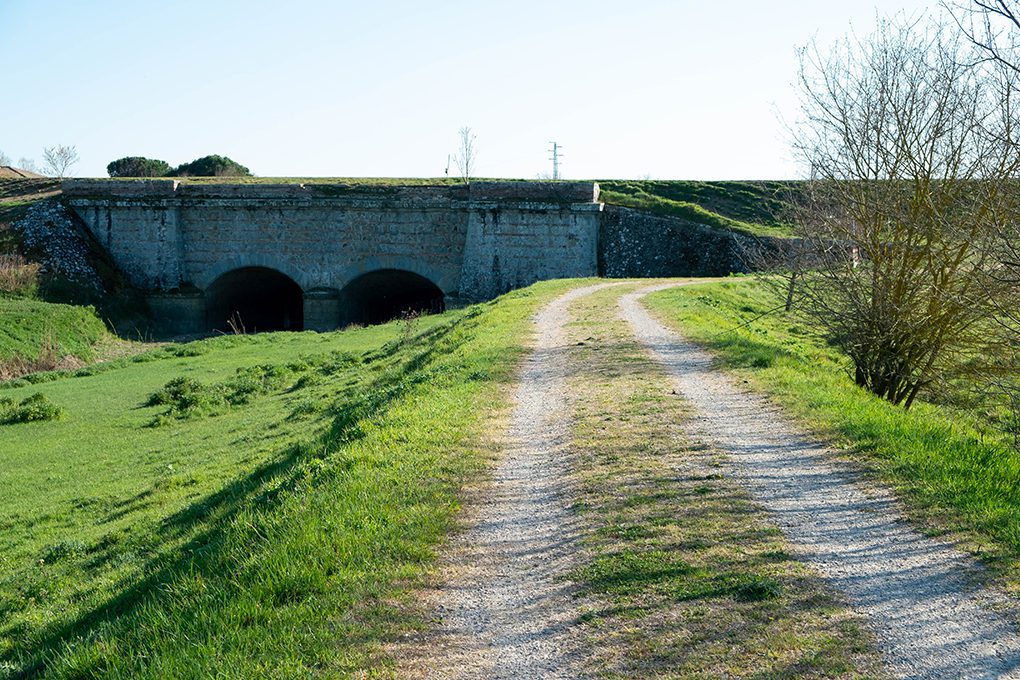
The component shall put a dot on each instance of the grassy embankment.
(955, 474)
(34, 334)
(754, 208)
(258, 522)
(685, 575)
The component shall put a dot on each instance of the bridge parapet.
(512, 191)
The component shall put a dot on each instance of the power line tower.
(557, 154)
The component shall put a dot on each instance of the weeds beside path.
(280, 534)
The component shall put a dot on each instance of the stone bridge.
(321, 256)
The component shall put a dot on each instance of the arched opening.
(255, 298)
(386, 294)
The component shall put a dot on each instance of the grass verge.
(954, 476)
(274, 535)
(685, 576)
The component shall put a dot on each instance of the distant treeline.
(207, 166)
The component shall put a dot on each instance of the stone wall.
(636, 244)
(508, 249)
(173, 239)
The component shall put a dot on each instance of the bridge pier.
(322, 309)
(178, 313)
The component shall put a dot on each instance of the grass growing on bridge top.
(756, 208)
(274, 533)
(750, 207)
(354, 181)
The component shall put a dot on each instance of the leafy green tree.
(212, 166)
(138, 166)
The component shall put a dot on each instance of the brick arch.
(446, 280)
(267, 261)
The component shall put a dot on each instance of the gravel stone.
(53, 232)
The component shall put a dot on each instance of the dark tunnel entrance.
(386, 294)
(255, 298)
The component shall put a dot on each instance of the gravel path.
(506, 610)
(918, 595)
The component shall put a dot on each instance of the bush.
(174, 392)
(211, 166)
(254, 381)
(137, 166)
(31, 409)
(58, 551)
(188, 398)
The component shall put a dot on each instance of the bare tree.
(467, 153)
(28, 164)
(59, 159)
(911, 147)
(993, 26)
(4, 159)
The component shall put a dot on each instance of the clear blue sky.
(666, 89)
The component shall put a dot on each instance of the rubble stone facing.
(636, 244)
(51, 232)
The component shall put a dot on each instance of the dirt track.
(508, 612)
(917, 594)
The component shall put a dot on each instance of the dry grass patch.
(17, 275)
(685, 575)
(48, 359)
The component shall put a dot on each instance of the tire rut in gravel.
(919, 596)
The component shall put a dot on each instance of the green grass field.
(273, 513)
(955, 473)
(269, 525)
